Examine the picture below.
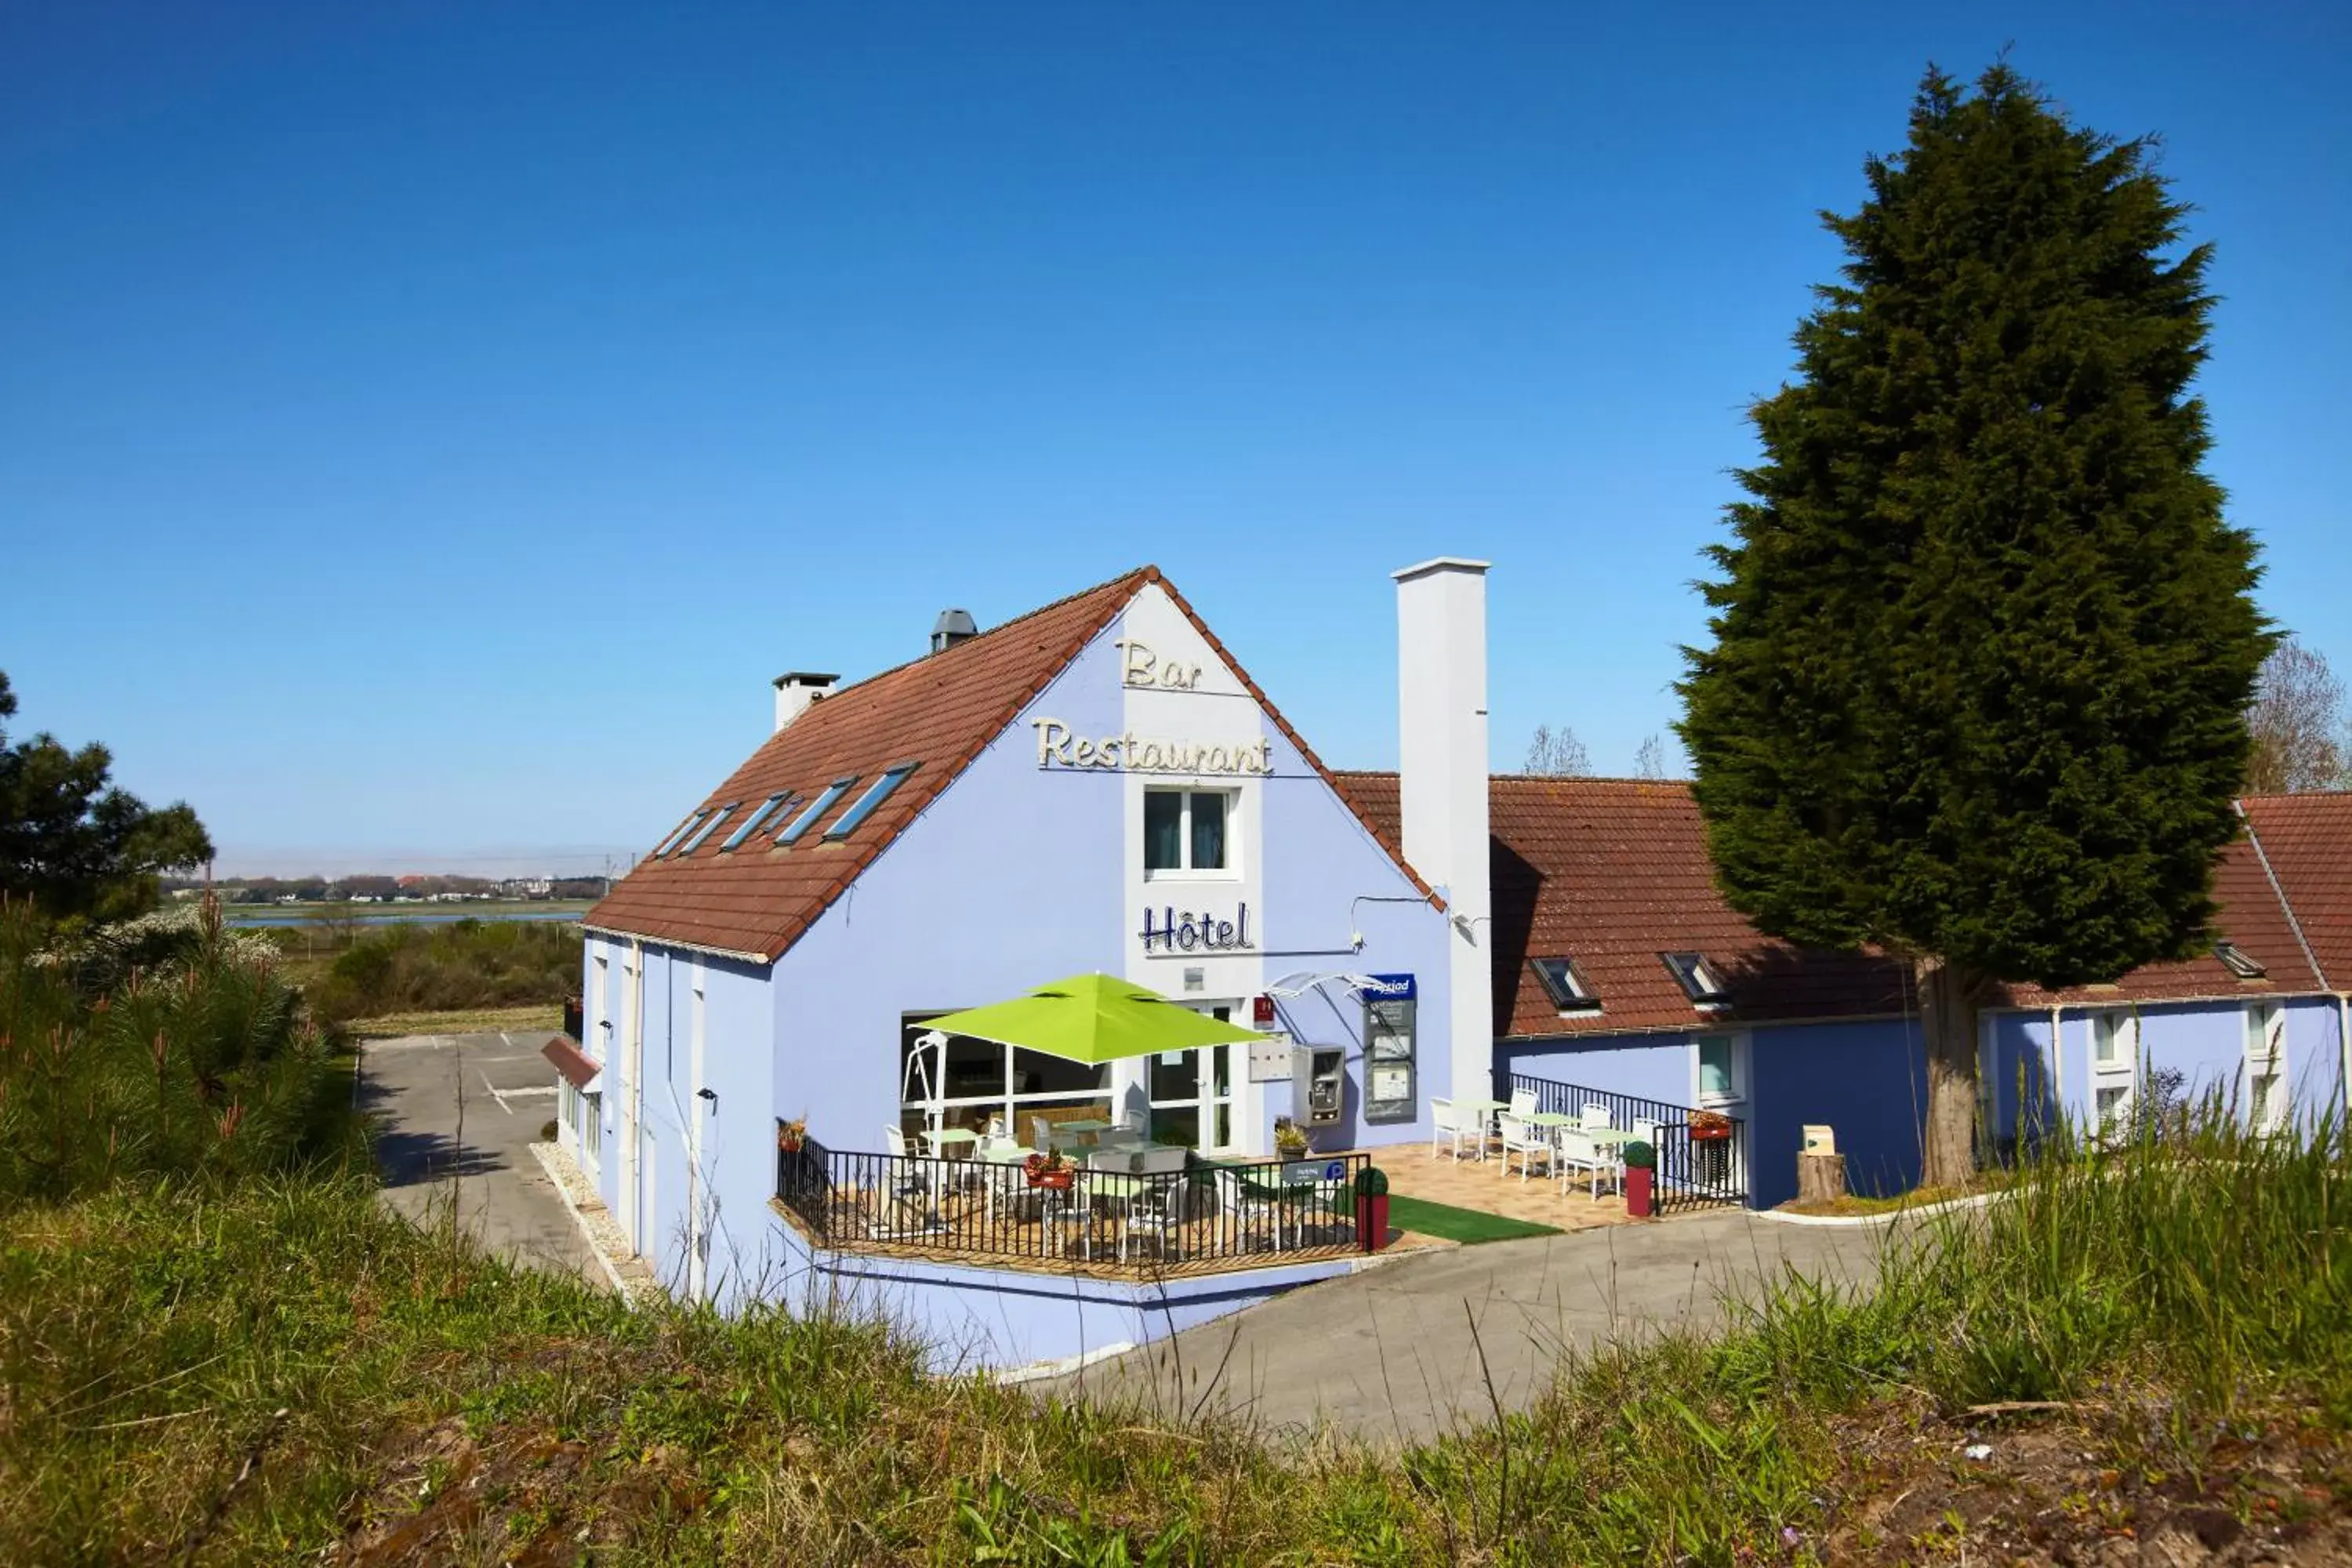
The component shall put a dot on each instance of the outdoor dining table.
(1008, 1161)
(942, 1139)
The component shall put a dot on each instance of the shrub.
(468, 963)
(171, 1048)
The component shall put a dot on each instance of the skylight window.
(1565, 985)
(678, 835)
(876, 793)
(694, 841)
(1697, 978)
(797, 828)
(751, 823)
(2238, 960)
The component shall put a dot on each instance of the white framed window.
(1188, 832)
(2266, 1086)
(2114, 1067)
(1719, 1062)
(599, 1021)
(592, 1130)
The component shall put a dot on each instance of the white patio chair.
(1041, 1135)
(1526, 1141)
(1073, 1210)
(1595, 1116)
(909, 1198)
(1246, 1202)
(1445, 1127)
(1578, 1153)
(1523, 1103)
(1154, 1215)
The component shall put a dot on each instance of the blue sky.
(424, 430)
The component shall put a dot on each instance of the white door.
(1194, 1093)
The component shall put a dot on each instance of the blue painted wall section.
(1867, 1081)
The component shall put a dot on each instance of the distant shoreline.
(297, 915)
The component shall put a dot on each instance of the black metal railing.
(1211, 1213)
(1694, 1170)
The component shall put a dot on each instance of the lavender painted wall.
(2205, 1041)
(999, 1319)
(1325, 879)
(1649, 1067)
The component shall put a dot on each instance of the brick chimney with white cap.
(1442, 787)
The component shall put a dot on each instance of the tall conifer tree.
(1983, 640)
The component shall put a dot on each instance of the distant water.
(279, 915)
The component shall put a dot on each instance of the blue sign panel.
(1392, 988)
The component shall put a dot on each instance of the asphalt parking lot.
(459, 1113)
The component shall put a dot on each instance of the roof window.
(876, 793)
(2238, 960)
(694, 840)
(751, 823)
(1699, 979)
(677, 834)
(1565, 985)
(797, 828)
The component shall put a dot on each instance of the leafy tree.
(2302, 738)
(1558, 752)
(74, 843)
(1983, 640)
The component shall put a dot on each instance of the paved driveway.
(1393, 1354)
(459, 1114)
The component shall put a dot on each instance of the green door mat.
(1467, 1226)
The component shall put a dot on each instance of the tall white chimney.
(1442, 787)
(797, 691)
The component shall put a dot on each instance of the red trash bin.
(1638, 1194)
(1371, 1208)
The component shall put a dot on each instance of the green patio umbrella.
(1092, 1018)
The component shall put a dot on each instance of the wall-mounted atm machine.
(1318, 1085)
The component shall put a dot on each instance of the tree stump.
(1821, 1178)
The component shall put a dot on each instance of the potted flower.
(1051, 1170)
(1289, 1138)
(1710, 1126)
(790, 1134)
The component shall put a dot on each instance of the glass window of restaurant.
(973, 1082)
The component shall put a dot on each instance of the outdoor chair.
(1445, 1127)
(1578, 1153)
(1523, 1103)
(1526, 1140)
(1249, 1205)
(1072, 1210)
(908, 1196)
(1041, 1135)
(1153, 1214)
(1596, 1116)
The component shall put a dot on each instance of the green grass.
(1467, 1226)
(217, 1346)
(466, 1410)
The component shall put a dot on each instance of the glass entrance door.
(1192, 1093)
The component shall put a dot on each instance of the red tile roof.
(2249, 914)
(939, 712)
(2307, 839)
(1613, 873)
